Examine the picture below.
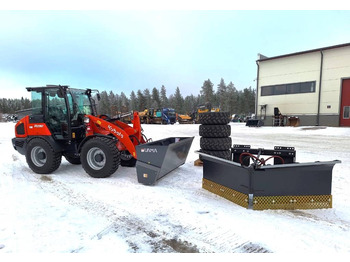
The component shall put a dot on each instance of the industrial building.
(308, 88)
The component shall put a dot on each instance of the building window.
(346, 113)
(293, 88)
(280, 90)
(267, 90)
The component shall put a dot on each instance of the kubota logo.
(149, 150)
(114, 131)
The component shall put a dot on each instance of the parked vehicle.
(64, 122)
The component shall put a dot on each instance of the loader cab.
(62, 109)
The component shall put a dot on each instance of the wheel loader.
(63, 122)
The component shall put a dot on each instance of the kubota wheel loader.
(63, 122)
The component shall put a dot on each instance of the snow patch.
(68, 211)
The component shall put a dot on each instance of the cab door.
(56, 113)
(345, 103)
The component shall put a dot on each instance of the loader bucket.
(280, 186)
(158, 158)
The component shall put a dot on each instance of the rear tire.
(100, 157)
(41, 157)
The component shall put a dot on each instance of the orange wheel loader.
(64, 122)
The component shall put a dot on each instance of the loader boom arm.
(123, 132)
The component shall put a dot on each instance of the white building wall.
(292, 69)
(336, 65)
(302, 68)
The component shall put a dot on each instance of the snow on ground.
(68, 211)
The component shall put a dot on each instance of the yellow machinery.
(204, 109)
(184, 119)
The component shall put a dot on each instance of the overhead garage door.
(345, 103)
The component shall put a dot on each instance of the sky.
(124, 50)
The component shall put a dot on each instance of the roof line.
(304, 52)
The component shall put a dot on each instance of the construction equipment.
(168, 115)
(207, 107)
(63, 122)
(158, 158)
(184, 119)
(147, 116)
(158, 116)
(274, 182)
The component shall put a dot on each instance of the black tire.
(214, 118)
(215, 144)
(74, 160)
(225, 154)
(126, 159)
(100, 157)
(41, 157)
(214, 130)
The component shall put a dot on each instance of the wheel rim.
(38, 156)
(96, 158)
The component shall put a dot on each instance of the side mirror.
(98, 96)
(60, 93)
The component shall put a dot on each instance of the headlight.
(86, 120)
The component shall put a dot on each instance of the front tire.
(41, 157)
(100, 157)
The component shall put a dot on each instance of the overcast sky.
(125, 50)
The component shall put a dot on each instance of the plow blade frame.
(283, 186)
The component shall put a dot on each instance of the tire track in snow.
(122, 223)
(158, 233)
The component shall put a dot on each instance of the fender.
(25, 128)
(20, 144)
(90, 137)
(103, 127)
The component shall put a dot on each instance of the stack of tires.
(215, 134)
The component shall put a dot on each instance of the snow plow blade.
(280, 186)
(158, 158)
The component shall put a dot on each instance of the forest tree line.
(11, 106)
(225, 96)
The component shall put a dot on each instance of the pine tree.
(148, 98)
(133, 101)
(171, 101)
(118, 103)
(190, 104)
(178, 101)
(207, 92)
(141, 101)
(104, 105)
(163, 97)
(248, 100)
(125, 103)
(113, 104)
(222, 96)
(233, 96)
(155, 98)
